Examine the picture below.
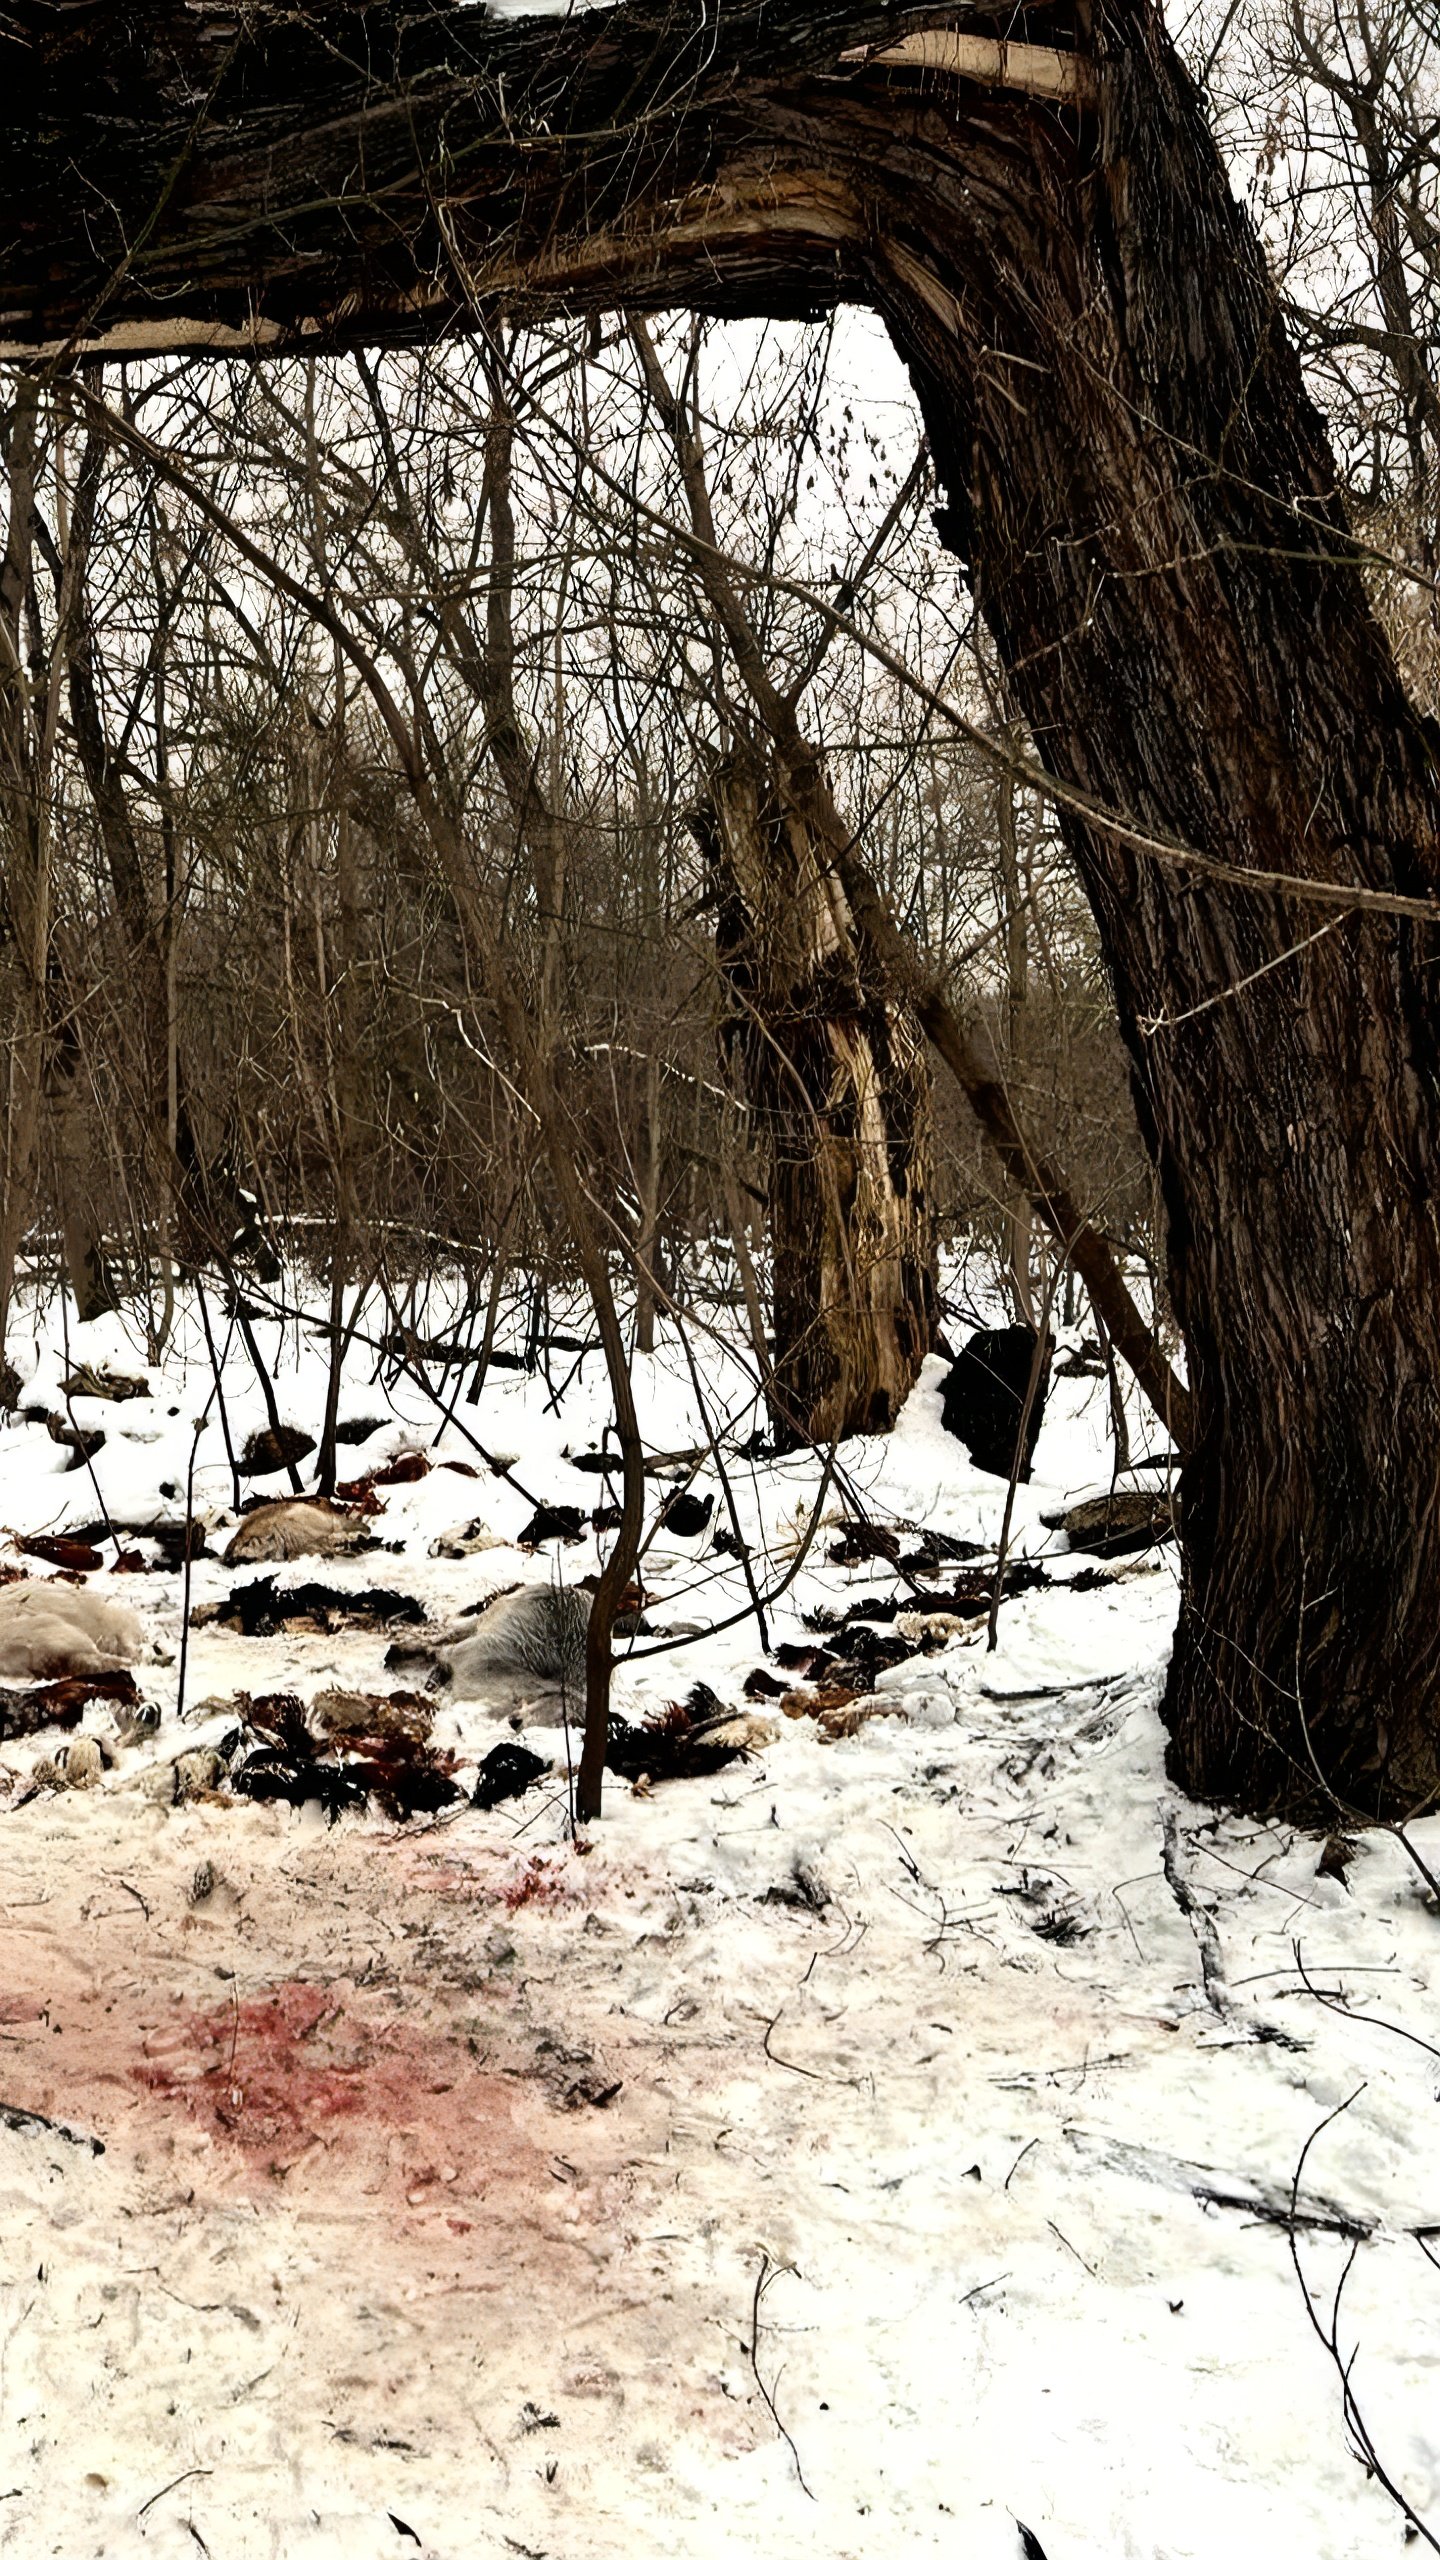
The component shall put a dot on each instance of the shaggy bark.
(839, 1088)
(1147, 507)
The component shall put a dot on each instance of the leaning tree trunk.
(1144, 498)
(838, 1086)
(1148, 511)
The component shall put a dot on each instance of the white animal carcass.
(276, 1532)
(535, 1635)
(54, 1631)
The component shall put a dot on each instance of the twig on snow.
(1202, 1925)
(1327, 2330)
(768, 2271)
(200, 2472)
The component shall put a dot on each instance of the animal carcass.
(52, 1631)
(276, 1532)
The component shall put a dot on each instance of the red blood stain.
(270, 2079)
(537, 1882)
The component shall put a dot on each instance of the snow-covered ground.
(840, 2156)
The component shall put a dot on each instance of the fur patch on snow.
(51, 1631)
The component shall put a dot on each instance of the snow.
(377, 2248)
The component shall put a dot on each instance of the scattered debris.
(69, 1435)
(1086, 1361)
(63, 1702)
(291, 1764)
(689, 1740)
(411, 1467)
(265, 1607)
(553, 1520)
(804, 1889)
(81, 1763)
(105, 1383)
(475, 1540)
(177, 1540)
(507, 1771)
(23, 2121)
(865, 1542)
(1337, 1856)
(72, 1555)
(684, 1515)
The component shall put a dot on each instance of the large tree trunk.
(1147, 506)
(839, 1089)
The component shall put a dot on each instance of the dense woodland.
(609, 798)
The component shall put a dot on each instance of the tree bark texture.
(838, 1086)
(1147, 508)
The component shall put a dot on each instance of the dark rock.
(984, 1398)
(265, 1451)
(507, 1771)
(598, 1462)
(348, 1435)
(553, 1520)
(1117, 1524)
(12, 1386)
(684, 1515)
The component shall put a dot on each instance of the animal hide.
(277, 1532)
(52, 1631)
